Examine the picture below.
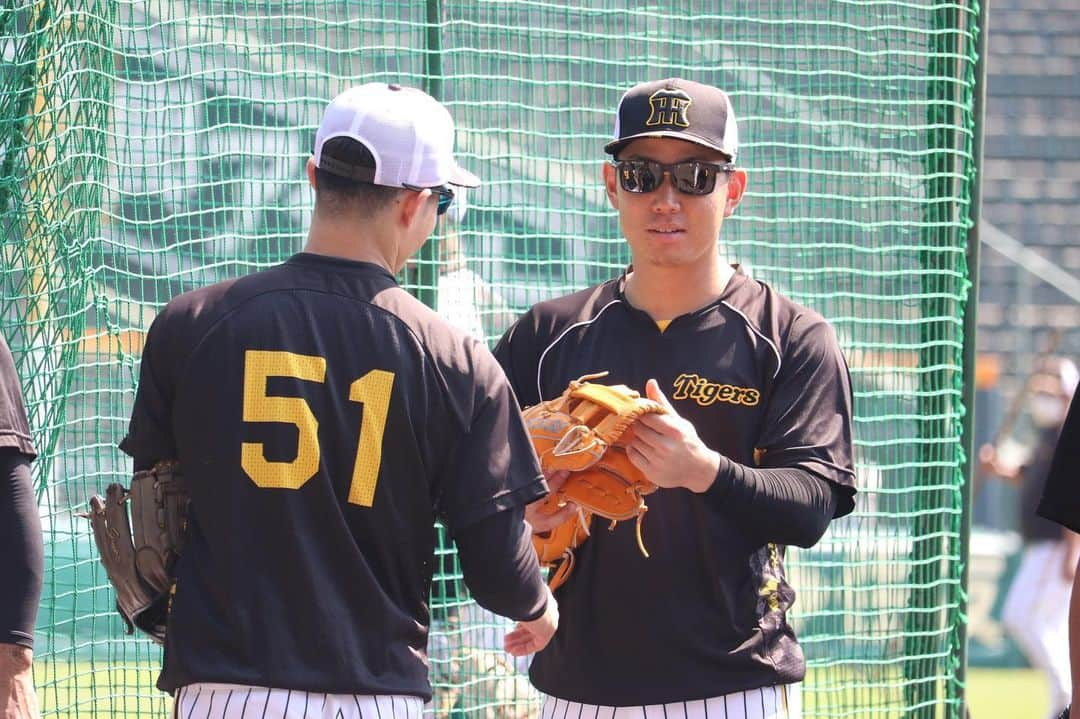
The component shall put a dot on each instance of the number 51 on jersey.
(372, 391)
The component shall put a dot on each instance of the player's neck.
(339, 236)
(667, 292)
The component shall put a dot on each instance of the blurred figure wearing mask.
(1035, 613)
(469, 666)
(464, 298)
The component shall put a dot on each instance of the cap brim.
(613, 147)
(463, 178)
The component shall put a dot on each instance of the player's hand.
(1071, 565)
(539, 520)
(992, 462)
(17, 698)
(666, 447)
(531, 637)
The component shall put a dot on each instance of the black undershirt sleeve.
(506, 582)
(21, 550)
(784, 505)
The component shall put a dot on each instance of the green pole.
(970, 334)
(427, 275)
(928, 635)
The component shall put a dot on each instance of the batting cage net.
(152, 147)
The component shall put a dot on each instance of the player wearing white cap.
(323, 419)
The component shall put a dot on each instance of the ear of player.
(582, 431)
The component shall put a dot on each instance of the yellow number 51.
(372, 391)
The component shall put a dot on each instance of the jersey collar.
(338, 264)
(734, 283)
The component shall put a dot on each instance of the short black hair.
(338, 194)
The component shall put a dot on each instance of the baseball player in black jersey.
(755, 454)
(21, 549)
(323, 418)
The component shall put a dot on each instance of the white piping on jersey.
(755, 330)
(540, 362)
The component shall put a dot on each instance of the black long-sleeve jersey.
(323, 419)
(764, 383)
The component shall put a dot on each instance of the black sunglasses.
(446, 196)
(691, 177)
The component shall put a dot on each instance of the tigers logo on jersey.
(668, 107)
(705, 393)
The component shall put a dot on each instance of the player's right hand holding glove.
(666, 448)
(532, 636)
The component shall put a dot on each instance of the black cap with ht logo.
(677, 108)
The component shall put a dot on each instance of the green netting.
(152, 147)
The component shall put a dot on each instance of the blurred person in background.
(1034, 614)
(463, 297)
(21, 549)
(469, 665)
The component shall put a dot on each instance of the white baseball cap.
(409, 133)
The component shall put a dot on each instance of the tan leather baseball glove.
(580, 431)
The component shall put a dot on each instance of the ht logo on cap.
(668, 107)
